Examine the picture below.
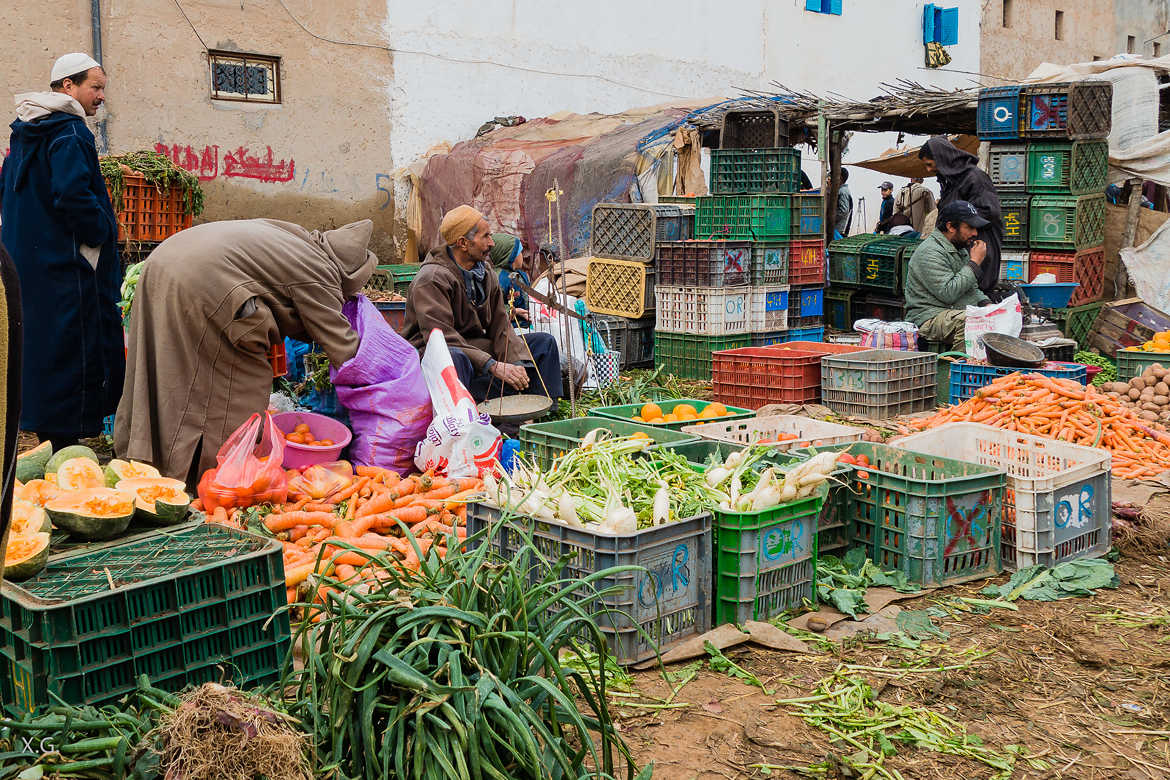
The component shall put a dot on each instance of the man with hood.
(210, 303)
(960, 178)
(507, 254)
(456, 292)
(60, 229)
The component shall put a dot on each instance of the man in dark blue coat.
(57, 222)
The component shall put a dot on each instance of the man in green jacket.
(942, 280)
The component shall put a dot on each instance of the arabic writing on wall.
(238, 163)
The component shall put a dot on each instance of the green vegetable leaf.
(1071, 578)
(916, 624)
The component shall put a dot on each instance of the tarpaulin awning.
(905, 162)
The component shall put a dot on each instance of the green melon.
(119, 470)
(28, 518)
(96, 513)
(31, 465)
(69, 453)
(27, 555)
(158, 500)
(80, 474)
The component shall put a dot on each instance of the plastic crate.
(968, 378)
(1078, 322)
(808, 216)
(1073, 110)
(845, 258)
(1126, 323)
(631, 231)
(689, 357)
(148, 212)
(665, 593)
(765, 562)
(1071, 168)
(1057, 506)
(1013, 267)
(743, 217)
(1008, 166)
(544, 442)
(677, 200)
(278, 359)
(757, 128)
(935, 519)
(1131, 363)
(626, 411)
(839, 308)
(1014, 207)
(879, 307)
(1059, 264)
(624, 288)
(704, 263)
(808, 432)
(1067, 221)
(770, 305)
(755, 171)
(186, 602)
(108, 426)
(1061, 351)
(806, 262)
(881, 263)
(703, 311)
(879, 383)
(752, 377)
(701, 453)
(632, 339)
(806, 335)
(394, 312)
(770, 262)
(1089, 274)
(999, 113)
(401, 275)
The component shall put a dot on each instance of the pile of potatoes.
(1148, 394)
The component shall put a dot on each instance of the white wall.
(657, 50)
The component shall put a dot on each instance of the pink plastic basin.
(298, 456)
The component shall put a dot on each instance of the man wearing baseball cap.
(57, 222)
(887, 209)
(942, 280)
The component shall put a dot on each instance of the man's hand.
(978, 252)
(514, 375)
(521, 314)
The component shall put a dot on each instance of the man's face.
(887, 192)
(931, 168)
(961, 236)
(477, 248)
(91, 93)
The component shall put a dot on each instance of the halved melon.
(28, 518)
(80, 474)
(38, 491)
(26, 555)
(95, 513)
(118, 470)
(31, 464)
(158, 500)
(69, 453)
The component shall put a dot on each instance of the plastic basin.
(299, 456)
(1051, 296)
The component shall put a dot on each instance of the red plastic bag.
(249, 472)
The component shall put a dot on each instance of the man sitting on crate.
(943, 277)
(457, 292)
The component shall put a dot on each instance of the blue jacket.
(52, 200)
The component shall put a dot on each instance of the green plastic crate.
(839, 308)
(1078, 322)
(880, 263)
(755, 171)
(937, 520)
(699, 453)
(808, 216)
(1067, 221)
(1014, 209)
(1132, 363)
(1071, 168)
(626, 411)
(186, 603)
(738, 217)
(770, 261)
(401, 274)
(689, 357)
(845, 258)
(545, 442)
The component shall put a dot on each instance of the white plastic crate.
(769, 308)
(703, 311)
(808, 432)
(1058, 502)
(1013, 267)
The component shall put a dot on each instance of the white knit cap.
(72, 64)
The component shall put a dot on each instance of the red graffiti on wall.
(238, 163)
(203, 164)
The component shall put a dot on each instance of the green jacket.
(940, 277)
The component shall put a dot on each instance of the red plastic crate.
(751, 377)
(278, 358)
(1089, 273)
(149, 213)
(806, 262)
(819, 347)
(1060, 264)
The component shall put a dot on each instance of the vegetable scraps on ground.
(842, 582)
(1065, 410)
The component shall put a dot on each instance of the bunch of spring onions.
(603, 486)
(749, 488)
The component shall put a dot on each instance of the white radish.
(661, 513)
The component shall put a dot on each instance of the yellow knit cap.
(458, 222)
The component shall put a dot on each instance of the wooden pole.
(1129, 235)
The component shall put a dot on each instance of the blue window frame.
(940, 25)
(823, 6)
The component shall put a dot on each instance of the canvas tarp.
(905, 162)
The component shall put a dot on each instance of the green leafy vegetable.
(159, 170)
(842, 582)
(1072, 578)
(721, 663)
(1108, 371)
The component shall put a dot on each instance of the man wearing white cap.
(57, 222)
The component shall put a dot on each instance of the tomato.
(863, 460)
(863, 475)
(845, 457)
(302, 428)
(325, 443)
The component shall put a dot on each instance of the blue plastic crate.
(968, 378)
(812, 302)
(1014, 270)
(999, 113)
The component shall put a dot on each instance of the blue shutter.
(812, 5)
(928, 34)
(947, 26)
(834, 7)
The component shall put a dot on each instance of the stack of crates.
(1049, 161)
(755, 273)
(867, 273)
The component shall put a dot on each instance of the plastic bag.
(320, 480)
(460, 441)
(383, 390)
(542, 318)
(880, 334)
(247, 473)
(1003, 317)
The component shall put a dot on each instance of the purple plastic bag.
(383, 388)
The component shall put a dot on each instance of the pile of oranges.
(652, 414)
(302, 434)
(1159, 343)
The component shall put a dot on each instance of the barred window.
(250, 77)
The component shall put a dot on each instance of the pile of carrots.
(369, 513)
(1069, 411)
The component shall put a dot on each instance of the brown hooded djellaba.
(210, 302)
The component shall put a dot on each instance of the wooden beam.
(1128, 236)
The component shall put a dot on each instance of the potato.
(1134, 393)
(1151, 407)
(1148, 416)
(1161, 388)
(1116, 387)
(1161, 400)
(1139, 382)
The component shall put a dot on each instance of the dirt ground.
(1082, 685)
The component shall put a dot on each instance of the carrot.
(462, 497)
(297, 575)
(409, 515)
(345, 572)
(317, 506)
(297, 532)
(354, 488)
(282, 522)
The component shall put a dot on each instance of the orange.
(639, 435)
(650, 411)
(717, 410)
(637, 418)
(301, 428)
(671, 417)
(708, 414)
(685, 409)
(657, 420)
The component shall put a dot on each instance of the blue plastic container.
(812, 302)
(968, 378)
(1051, 296)
(998, 117)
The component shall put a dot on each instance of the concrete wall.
(1143, 19)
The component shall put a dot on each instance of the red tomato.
(863, 460)
(845, 457)
(863, 475)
